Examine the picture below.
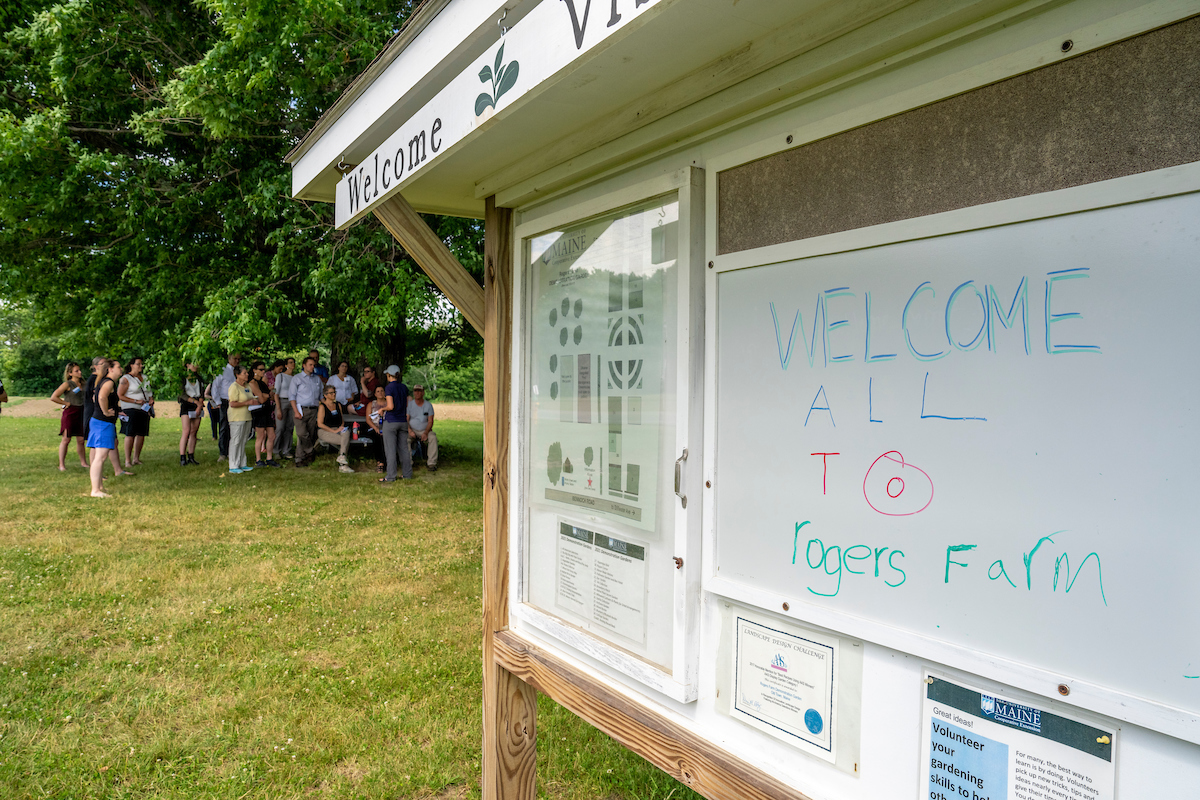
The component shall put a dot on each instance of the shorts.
(102, 434)
(138, 423)
(263, 417)
(186, 406)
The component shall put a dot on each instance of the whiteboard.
(1011, 421)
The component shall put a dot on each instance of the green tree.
(145, 205)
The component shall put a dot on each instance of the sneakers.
(346, 468)
(341, 459)
(260, 463)
(236, 471)
(270, 462)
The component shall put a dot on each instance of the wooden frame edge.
(661, 741)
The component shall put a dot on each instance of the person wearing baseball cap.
(420, 426)
(395, 426)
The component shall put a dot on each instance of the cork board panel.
(1131, 107)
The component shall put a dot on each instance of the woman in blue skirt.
(102, 433)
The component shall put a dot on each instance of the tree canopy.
(144, 202)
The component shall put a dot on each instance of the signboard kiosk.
(841, 397)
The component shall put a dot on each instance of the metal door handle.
(678, 470)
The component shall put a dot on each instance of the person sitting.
(367, 390)
(343, 382)
(332, 428)
(420, 426)
(373, 411)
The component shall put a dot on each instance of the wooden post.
(509, 704)
(432, 255)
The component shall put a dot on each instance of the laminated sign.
(597, 363)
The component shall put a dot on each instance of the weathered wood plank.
(509, 704)
(432, 255)
(664, 743)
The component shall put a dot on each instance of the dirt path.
(43, 408)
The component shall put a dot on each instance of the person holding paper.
(69, 395)
(307, 390)
(332, 428)
(137, 404)
(240, 399)
(262, 415)
(191, 412)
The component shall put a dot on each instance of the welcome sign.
(549, 38)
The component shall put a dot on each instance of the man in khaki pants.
(420, 426)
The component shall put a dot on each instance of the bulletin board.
(984, 440)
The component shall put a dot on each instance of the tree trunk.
(395, 350)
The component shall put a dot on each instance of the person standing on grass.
(3, 393)
(69, 395)
(220, 393)
(240, 399)
(284, 421)
(102, 434)
(214, 411)
(320, 369)
(420, 426)
(262, 415)
(395, 426)
(307, 391)
(343, 382)
(191, 413)
(89, 393)
(137, 404)
(331, 428)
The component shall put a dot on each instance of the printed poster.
(597, 337)
(980, 746)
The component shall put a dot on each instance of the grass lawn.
(279, 634)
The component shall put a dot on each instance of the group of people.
(272, 403)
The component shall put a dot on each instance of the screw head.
(710, 265)
(1063, 689)
(789, 139)
(786, 606)
(708, 484)
(1067, 45)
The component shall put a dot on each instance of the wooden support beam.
(432, 255)
(669, 746)
(509, 704)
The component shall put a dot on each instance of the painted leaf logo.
(501, 76)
